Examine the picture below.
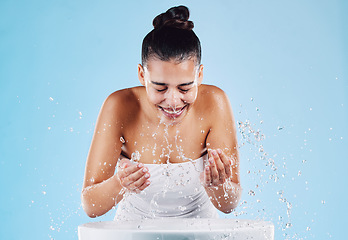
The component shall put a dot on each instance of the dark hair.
(172, 38)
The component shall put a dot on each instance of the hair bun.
(174, 17)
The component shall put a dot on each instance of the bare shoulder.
(210, 88)
(123, 102)
(213, 98)
(123, 96)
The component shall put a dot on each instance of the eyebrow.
(165, 84)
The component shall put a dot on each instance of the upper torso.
(153, 142)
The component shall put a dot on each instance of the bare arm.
(101, 187)
(222, 181)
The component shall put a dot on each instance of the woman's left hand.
(218, 169)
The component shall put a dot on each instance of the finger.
(135, 176)
(214, 172)
(210, 153)
(123, 162)
(121, 165)
(144, 185)
(226, 161)
(220, 166)
(139, 182)
(207, 176)
(130, 169)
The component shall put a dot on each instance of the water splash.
(135, 157)
(267, 171)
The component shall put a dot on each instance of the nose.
(173, 98)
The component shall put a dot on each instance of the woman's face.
(171, 86)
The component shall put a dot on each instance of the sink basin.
(178, 229)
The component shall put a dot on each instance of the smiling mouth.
(172, 113)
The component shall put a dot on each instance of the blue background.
(282, 63)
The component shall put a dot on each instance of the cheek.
(154, 97)
(190, 97)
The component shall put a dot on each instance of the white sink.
(178, 229)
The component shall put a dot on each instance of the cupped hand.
(218, 169)
(133, 176)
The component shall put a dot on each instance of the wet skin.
(170, 118)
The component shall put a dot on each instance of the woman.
(173, 139)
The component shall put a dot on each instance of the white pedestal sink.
(178, 229)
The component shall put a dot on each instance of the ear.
(200, 75)
(141, 74)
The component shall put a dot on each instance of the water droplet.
(122, 140)
(251, 193)
(261, 148)
(299, 173)
(323, 201)
(202, 131)
(135, 156)
(308, 229)
(280, 128)
(51, 99)
(43, 192)
(49, 128)
(182, 208)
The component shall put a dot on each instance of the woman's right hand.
(133, 176)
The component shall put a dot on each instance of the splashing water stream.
(266, 172)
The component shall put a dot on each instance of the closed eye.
(184, 90)
(161, 90)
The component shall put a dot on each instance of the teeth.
(171, 112)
